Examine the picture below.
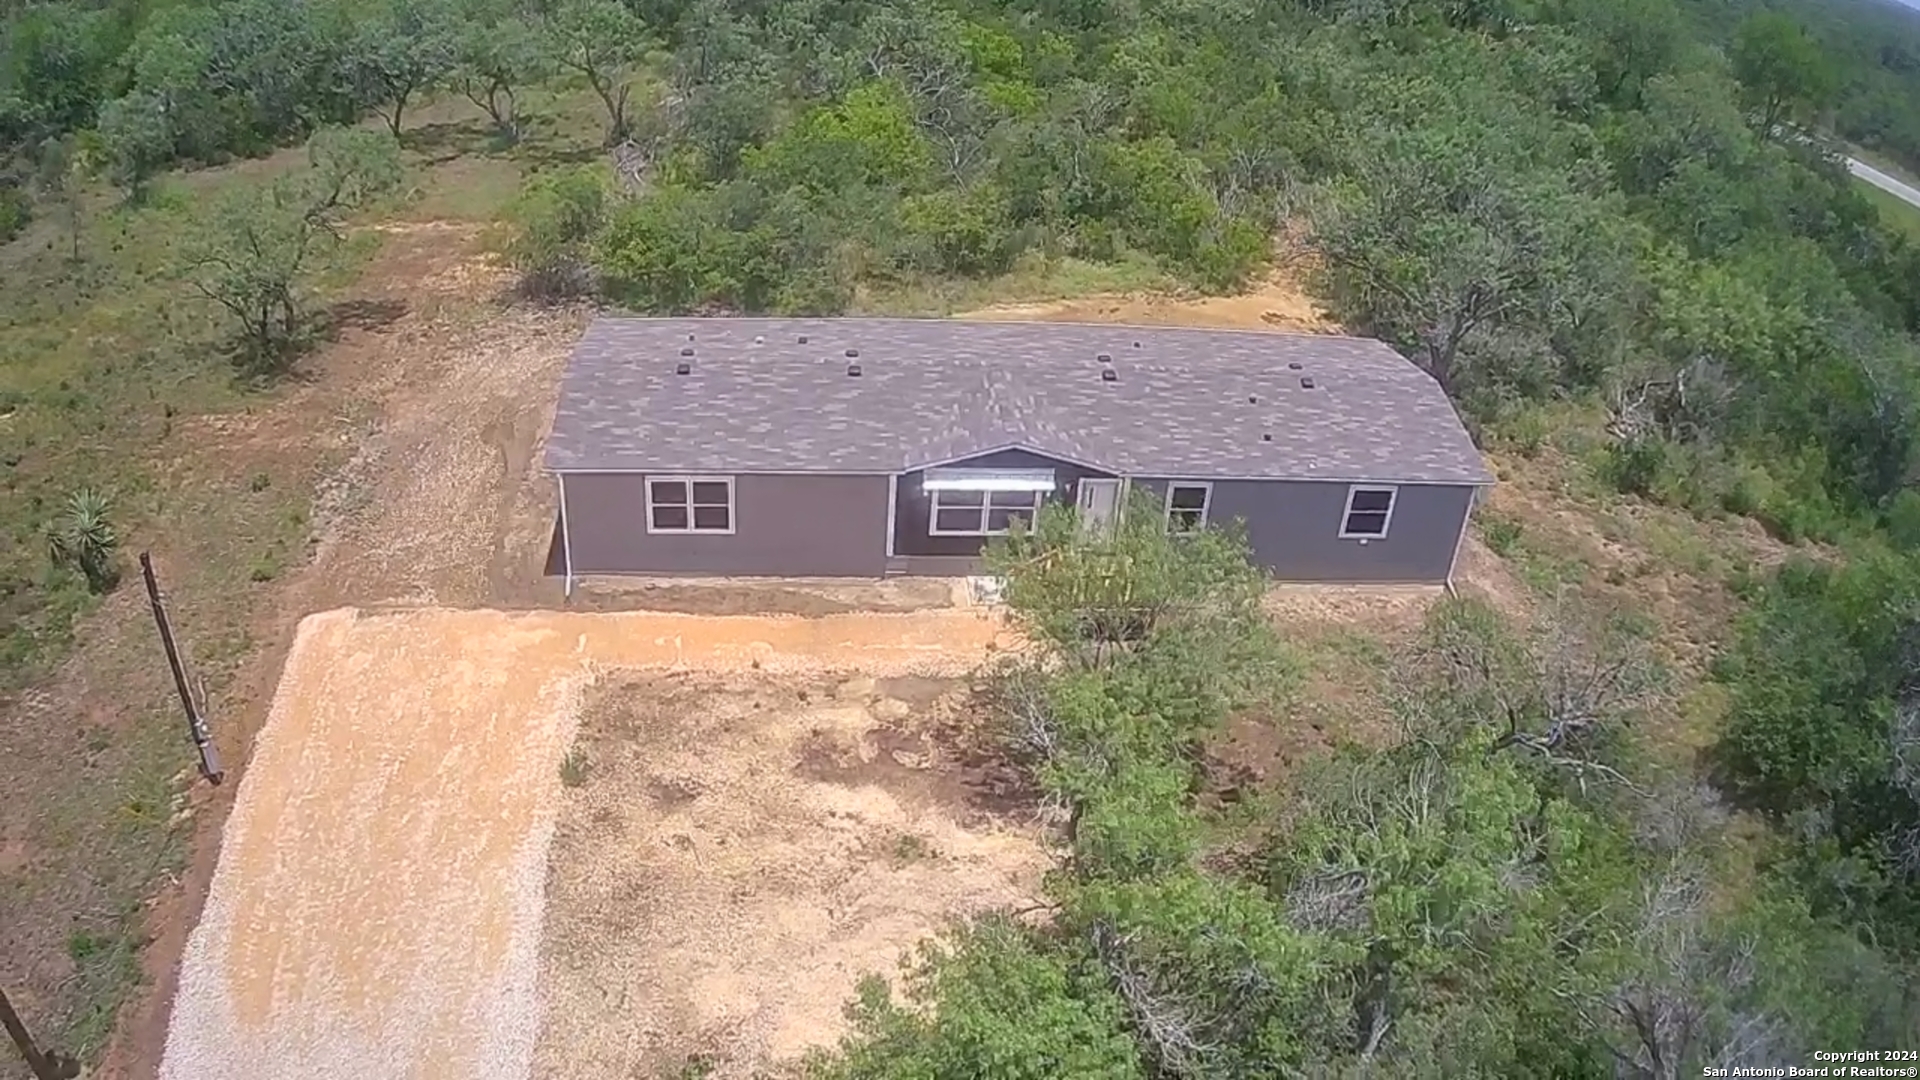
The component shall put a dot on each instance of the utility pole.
(47, 1065)
(196, 723)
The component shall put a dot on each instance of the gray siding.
(836, 526)
(910, 533)
(784, 526)
(1293, 528)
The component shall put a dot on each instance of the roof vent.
(1266, 436)
(1105, 358)
(689, 337)
(1306, 382)
(851, 353)
(686, 350)
(683, 368)
(759, 340)
(1253, 399)
(1136, 344)
(1107, 375)
(803, 339)
(853, 370)
(1293, 365)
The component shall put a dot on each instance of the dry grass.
(1279, 302)
(1565, 533)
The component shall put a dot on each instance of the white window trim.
(1002, 480)
(1386, 524)
(986, 507)
(663, 478)
(1206, 504)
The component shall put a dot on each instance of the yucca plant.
(83, 539)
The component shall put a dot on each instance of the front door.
(1099, 504)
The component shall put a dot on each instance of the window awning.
(989, 480)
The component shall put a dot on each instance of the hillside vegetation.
(1572, 213)
(1864, 65)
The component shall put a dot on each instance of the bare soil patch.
(378, 904)
(1279, 302)
(744, 849)
(750, 596)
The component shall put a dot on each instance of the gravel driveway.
(377, 908)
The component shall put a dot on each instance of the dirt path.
(376, 911)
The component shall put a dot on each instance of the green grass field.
(1899, 215)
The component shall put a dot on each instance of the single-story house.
(859, 447)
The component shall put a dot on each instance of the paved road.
(1905, 192)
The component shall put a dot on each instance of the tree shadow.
(260, 368)
(541, 155)
(445, 141)
(372, 315)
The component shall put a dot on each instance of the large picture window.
(689, 504)
(981, 513)
(1369, 510)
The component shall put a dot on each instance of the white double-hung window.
(1187, 504)
(690, 504)
(984, 502)
(1369, 511)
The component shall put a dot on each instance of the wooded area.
(1538, 201)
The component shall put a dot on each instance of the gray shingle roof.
(1185, 403)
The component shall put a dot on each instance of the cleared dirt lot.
(740, 852)
(378, 906)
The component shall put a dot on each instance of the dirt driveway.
(378, 903)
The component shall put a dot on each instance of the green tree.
(172, 59)
(1629, 42)
(135, 142)
(403, 47)
(290, 66)
(55, 69)
(735, 247)
(1782, 68)
(1441, 240)
(1824, 729)
(962, 231)
(492, 60)
(255, 247)
(992, 1000)
(867, 139)
(602, 42)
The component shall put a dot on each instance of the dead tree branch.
(1556, 689)
(1167, 1026)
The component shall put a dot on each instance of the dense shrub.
(727, 248)
(1635, 467)
(963, 232)
(1811, 738)
(551, 228)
